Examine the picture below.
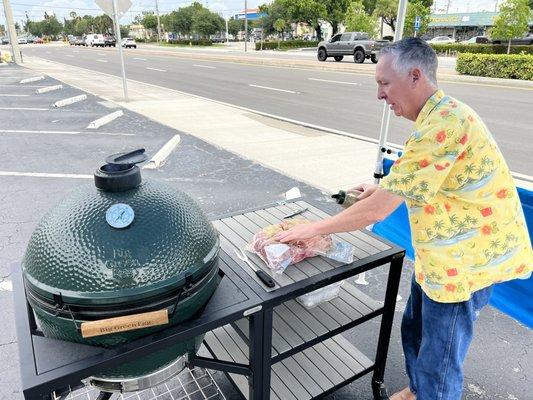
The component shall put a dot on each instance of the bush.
(513, 66)
(185, 42)
(289, 44)
(480, 49)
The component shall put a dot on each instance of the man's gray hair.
(413, 53)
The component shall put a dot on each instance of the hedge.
(513, 66)
(285, 45)
(480, 48)
(185, 42)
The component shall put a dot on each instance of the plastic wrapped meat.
(279, 256)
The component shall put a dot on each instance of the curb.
(48, 89)
(70, 100)
(105, 120)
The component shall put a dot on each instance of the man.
(468, 228)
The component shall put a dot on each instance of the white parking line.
(156, 69)
(330, 81)
(14, 95)
(24, 108)
(203, 66)
(67, 132)
(45, 175)
(139, 58)
(101, 60)
(271, 88)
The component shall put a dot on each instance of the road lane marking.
(161, 156)
(66, 132)
(139, 58)
(203, 66)
(330, 81)
(101, 54)
(271, 88)
(14, 95)
(156, 69)
(70, 55)
(45, 175)
(24, 109)
(101, 60)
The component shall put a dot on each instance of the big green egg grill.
(122, 248)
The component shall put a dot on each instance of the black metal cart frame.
(49, 365)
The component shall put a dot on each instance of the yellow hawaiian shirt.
(468, 227)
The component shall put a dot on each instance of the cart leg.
(260, 354)
(395, 272)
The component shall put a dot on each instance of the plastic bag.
(321, 295)
(278, 256)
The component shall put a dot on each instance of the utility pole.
(158, 23)
(119, 43)
(245, 25)
(227, 32)
(448, 6)
(12, 32)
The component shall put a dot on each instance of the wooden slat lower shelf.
(302, 376)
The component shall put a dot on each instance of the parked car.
(95, 39)
(72, 40)
(80, 41)
(129, 43)
(5, 40)
(109, 41)
(38, 40)
(22, 40)
(441, 40)
(476, 40)
(528, 39)
(356, 44)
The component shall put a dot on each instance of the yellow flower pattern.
(467, 224)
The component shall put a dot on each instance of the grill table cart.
(269, 345)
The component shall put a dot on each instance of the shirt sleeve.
(428, 157)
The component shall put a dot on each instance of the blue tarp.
(513, 297)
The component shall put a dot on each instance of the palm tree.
(438, 225)
(461, 226)
(494, 244)
(453, 219)
(469, 169)
(460, 178)
(423, 187)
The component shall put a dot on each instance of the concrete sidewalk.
(324, 160)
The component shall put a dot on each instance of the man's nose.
(381, 95)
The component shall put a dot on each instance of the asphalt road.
(337, 100)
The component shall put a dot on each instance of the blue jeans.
(435, 339)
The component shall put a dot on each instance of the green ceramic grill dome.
(121, 248)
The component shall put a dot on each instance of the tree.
(356, 19)
(279, 26)
(273, 12)
(335, 12)
(387, 9)
(149, 21)
(308, 11)
(51, 26)
(81, 27)
(207, 23)
(512, 21)
(124, 31)
(414, 9)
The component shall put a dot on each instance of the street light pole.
(12, 32)
(245, 25)
(158, 23)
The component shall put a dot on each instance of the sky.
(62, 8)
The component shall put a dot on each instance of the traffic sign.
(107, 6)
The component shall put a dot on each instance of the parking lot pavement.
(36, 144)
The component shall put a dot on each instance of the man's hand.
(299, 232)
(366, 190)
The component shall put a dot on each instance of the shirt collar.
(430, 105)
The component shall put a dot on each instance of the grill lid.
(120, 243)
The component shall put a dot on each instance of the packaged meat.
(278, 256)
(321, 295)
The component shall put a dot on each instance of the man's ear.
(416, 74)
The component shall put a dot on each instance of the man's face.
(396, 89)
